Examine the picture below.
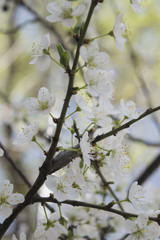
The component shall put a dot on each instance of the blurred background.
(137, 78)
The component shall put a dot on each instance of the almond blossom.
(136, 5)
(42, 104)
(41, 59)
(118, 31)
(50, 229)
(64, 12)
(7, 198)
(142, 229)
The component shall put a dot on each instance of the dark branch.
(149, 170)
(91, 205)
(126, 125)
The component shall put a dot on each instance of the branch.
(20, 173)
(126, 125)
(106, 184)
(45, 169)
(91, 205)
(149, 170)
(12, 163)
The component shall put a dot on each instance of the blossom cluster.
(95, 114)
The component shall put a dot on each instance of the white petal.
(5, 210)
(69, 22)
(34, 61)
(120, 43)
(43, 95)
(152, 231)
(43, 63)
(1, 152)
(26, 134)
(50, 182)
(6, 188)
(84, 53)
(131, 226)
(40, 233)
(14, 237)
(66, 4)
(32, 105)
(130, 237)
(79, 10)
(142, 220)
(53, 7)
(46, 41)
(16, 198)
(22, 236)
(101, 58)
(53, 18)
(54, 216)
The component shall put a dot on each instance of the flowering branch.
(126, 125)
(106, 184)
(107, 208)
(149, 170)
(46, 167)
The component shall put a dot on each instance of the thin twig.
(19, 172)
(91, 205)
(106, 184)
(149, 170)
(126, 125)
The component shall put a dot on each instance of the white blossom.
(136, 5)
(138, 197)
(1, 152)
(99, 82)
(92, 57)
(27, 133)
(142, 229)
(42, 104)
(101, 117)
(41, 59)
(68, 185)
(61, 186)
(86, 148)
(64, 12)
(7, 198)
(118, 31)
(46, 230)
(118, 158)
(21, 237)
(129, 109)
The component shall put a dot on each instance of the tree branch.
(46, 166)
(126, 125)
(91, 205)
(149, 170)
